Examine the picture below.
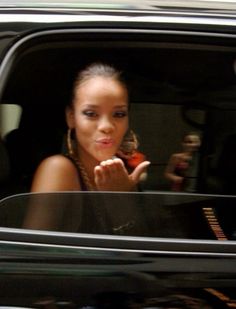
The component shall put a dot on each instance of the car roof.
(125, 4)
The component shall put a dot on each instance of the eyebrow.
(121, 106)
(97, 106)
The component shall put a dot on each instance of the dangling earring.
(70, 143)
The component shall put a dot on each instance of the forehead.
(99, 87)
(192, 138)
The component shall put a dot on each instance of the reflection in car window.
(133, 214)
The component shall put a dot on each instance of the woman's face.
(99, 117)
(191, 143)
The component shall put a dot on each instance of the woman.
(98, 123)
(182, 167)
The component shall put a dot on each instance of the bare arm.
(54, 174)
(170, 169)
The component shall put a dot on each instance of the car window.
(177, 90)
(182, 92)
(129, 214)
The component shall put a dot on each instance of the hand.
(177, 184)
(178, 180)
(111, 175)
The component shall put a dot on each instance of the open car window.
(160, 214)
(180, 87)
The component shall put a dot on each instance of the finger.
(106, 168)
(114, 167)
(102, 175)
(118, 161)
(106, 162)
(141, 168)
(119, 166)
(98, 175)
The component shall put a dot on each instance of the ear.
(70, 117)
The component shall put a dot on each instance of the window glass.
(160, 214)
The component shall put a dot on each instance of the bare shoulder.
(56, 173)
(57, 161)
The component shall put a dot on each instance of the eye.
(120, 114)
(90, 113)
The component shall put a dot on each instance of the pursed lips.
(105, 142)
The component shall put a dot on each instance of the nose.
(106, 125)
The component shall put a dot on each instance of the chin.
(104, 157)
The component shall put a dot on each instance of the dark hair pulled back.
(97, 69)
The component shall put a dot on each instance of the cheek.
(125, 126)
(121, 130)
(83, 128)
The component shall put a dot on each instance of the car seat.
(39, 135)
